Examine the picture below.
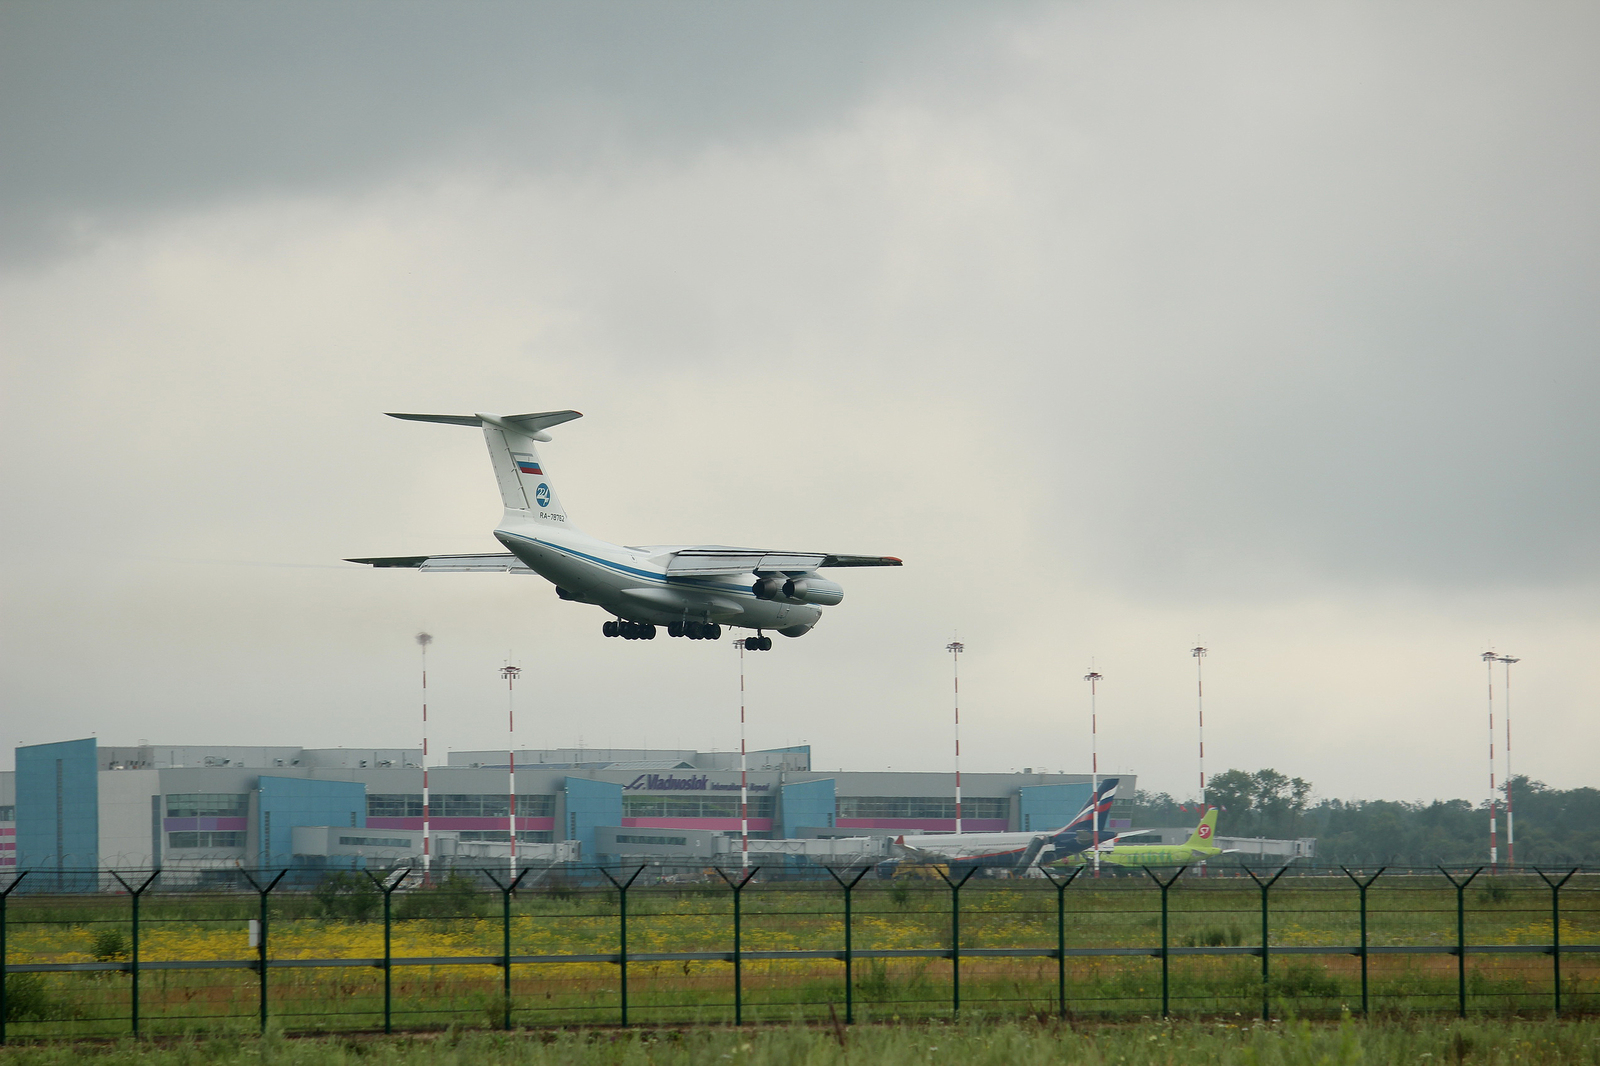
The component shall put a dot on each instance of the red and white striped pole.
(1489, 659)
(510, 673)
(955, 648)
(423, 640)
(1094, 763)
(1511, 826)
(744, 773)
(1199, 654)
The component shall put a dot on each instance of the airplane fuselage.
(633, 583)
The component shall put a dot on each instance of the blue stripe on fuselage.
(698, 584)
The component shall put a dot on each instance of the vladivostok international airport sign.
(692, 783)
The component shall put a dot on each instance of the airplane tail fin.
(1204, 835)
(1096, 814)
(524, 486)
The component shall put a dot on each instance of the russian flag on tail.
(526, 464)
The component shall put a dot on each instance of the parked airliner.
(1016, 850)
(691, 590)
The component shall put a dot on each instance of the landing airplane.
(691, 590)
(1014, 850)
(1196, 849)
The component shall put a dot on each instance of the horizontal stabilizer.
(531, 424)
(494, 563)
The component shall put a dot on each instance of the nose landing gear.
(758, 643)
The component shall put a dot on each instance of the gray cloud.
(1125, 324)
(111, 111)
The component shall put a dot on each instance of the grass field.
(1425, 1043)
(568, 920)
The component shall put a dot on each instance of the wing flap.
(492, 563)
(703, 562)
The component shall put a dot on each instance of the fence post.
(387, 887)
(1061, 934)
(133, 947)
(1165, 953)
(1361, 887)
(849, 973)
(261, 940)
(955, 934)
(5, 897)
(622, 934)
(1555, 926)
(737, 884)
(1266, 886)
(505, 940)
(1461, 936)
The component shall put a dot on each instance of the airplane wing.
(704, 562)
(493, 563)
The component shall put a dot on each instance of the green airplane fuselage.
(1149, 855)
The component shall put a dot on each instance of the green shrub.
(27, 1000)
(109, 945)
(1215, 936)
(347, 896)
(454, 897)
(1304, 979)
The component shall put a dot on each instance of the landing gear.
(757, 643)
(629, 630)
(694, 630)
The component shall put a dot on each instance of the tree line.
(1554, 826)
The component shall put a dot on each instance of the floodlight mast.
(1489, 659)
(1511, 825)
(510, 673)
(955, 648)
(1094, 764)
(423, 640)
(1199, 654)
(744, 770)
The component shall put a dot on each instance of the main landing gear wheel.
(610, 628)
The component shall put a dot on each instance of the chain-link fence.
(89, 953)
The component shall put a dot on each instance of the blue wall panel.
(808, 803)
(58, 807)
(1048, 807)
(290, 801)
(590, 804)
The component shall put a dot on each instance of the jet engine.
(768, 587)
(812, 589)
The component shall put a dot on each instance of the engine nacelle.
(768, 587)
(813, 589)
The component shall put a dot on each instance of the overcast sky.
(1127, 325)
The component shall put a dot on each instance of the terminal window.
(394, 805)
(208, 805)
(375, 842)
(8, 814)
(676, 842)
(480, 805)
(524, 836)
(922, 807)
(693, 806)
(210, 839)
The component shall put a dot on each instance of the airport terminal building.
(77, 805)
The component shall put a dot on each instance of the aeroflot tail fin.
(1204, 835)
(524, 486)
(1096, 813)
